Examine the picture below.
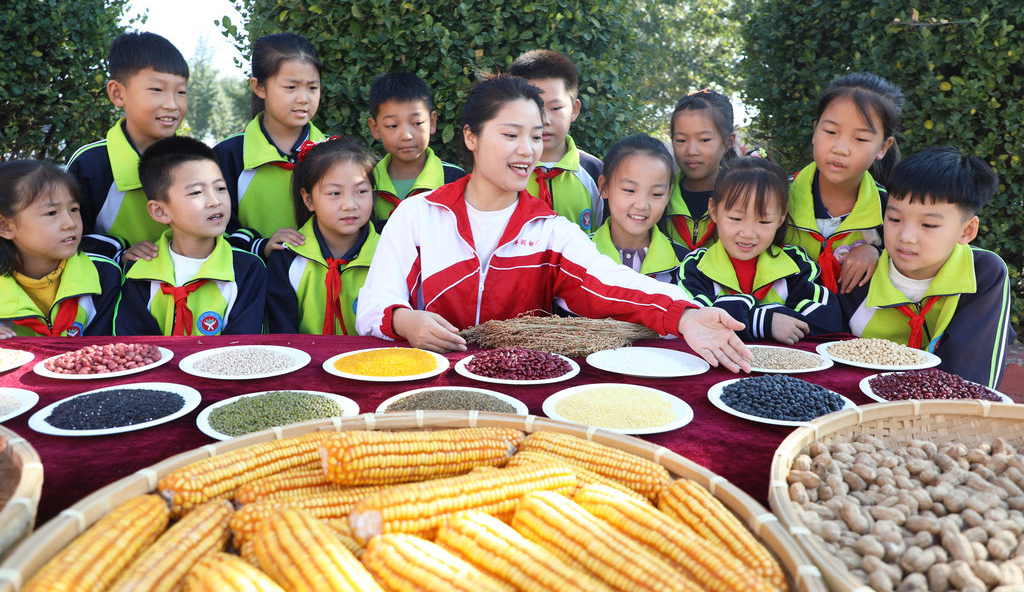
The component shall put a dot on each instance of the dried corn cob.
(219, 476)
(324, 506)
(162, 567)
(687, 501)
(583, 541)
(245, 552)
(94, 559)
(404, 562)
(220, 572)
(302, 555)
(641, 475)
(583, 476)
(343, 532)
(495, 548)
(419, 508)
(285, 485)
(384, 458)
(672, 540)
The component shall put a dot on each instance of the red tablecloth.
(739, 450)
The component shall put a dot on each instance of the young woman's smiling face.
(508, 147)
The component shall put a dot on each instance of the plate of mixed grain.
(620, 408)
(255, 412)
(772, 359)
(877, 354)
(386, 364)
(648, 362)
(451, 398)
(244, 362)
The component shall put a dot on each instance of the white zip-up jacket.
(426, 260)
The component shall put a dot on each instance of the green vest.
(265, 189)
(661, 257)
(430, 178)
(124, 211)
(866, 215)
(308, 274)
(682, 227)
(79, 278)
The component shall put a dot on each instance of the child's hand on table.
(427, 330)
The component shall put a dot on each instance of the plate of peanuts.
(877, 354)
(103, 361)
(930, 383)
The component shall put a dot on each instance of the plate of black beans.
(116, 409)
(776, 399)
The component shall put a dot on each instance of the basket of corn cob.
(21, 481)
(418, 500)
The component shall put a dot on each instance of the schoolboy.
(197, 283)
(149, 80)
(567, 176)
(402, 117)
(931, 289)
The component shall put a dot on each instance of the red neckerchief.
(66, 314)
(683, 229)
(391, 199)
(916, 320)
(182, 314)
(827, 260)
(333, 308)
(284, 165)
(544, 189)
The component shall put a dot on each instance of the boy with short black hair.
(149, 80)
(574, 195)
(402, 117)
(195, 268)
(931, 289)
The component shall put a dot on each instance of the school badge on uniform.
(585, 219)
(209, 323)
(75, 330)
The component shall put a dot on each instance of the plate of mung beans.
(619, 408)
(449, 398)
(386, 364)
(244, 362)
(877, 354)
(772, 359)
(254, 412)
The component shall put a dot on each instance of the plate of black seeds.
(453, 398)
(776, 399)
(255, 412)
(116, 409)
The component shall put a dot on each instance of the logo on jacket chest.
(209, 323)
(524, 242)
(75, 330)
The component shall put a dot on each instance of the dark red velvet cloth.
(737, 449)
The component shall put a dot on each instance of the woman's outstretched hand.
(711, 333)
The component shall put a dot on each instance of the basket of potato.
(911, 495)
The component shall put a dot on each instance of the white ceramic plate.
(460, 367)
(715, 396)
(648, 362)
(298, 358)
(520, 407)
(14, 358)
(823, 361)
(41, 369)
(930, 360)
(26, 400)
(865, 387)
(442, 365)
(682, 411)
(192, 398)
(348, 408)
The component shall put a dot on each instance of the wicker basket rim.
(19, 514)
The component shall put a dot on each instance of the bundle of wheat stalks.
(574, 337)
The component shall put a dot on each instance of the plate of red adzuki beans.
(931, 383)
(104, 361)
(517, 365)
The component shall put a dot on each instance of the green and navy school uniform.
(862, 225)
(573, 192)
(435, 173)
(297, 292)
(663, 256)
(783, 284)
(93, 280)
(967, 323)
(231, 302)
(259, 178)
(680, 224)
(113, 205)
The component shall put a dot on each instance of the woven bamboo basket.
(967, 422)
(19, 514)
(29, 557)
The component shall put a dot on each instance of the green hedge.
(448, 43)
(959, 65)
(53, 95)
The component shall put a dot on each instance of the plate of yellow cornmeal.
(620, 408)
(387, 364)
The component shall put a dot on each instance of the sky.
(184, 22)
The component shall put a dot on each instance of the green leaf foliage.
(959, 65)
(449, 43)
(52, 79)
